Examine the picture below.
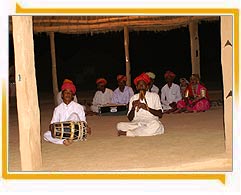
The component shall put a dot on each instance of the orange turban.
(143, 77)
(169, 73)
(101, 80)
(121, 77)
(68, 85)
(67, 81)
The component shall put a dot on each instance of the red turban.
(169, 73)
(121, 77)
(68, 85)
(101, 80)
(143, 77)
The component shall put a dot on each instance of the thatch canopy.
(103, 24)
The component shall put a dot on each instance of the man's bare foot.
(119, 133)
(67, 142)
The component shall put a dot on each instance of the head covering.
(151, 75)
(68, 85)
(101, 80)
(169, 73)
(67, 81)
(121, 77)
(183, 79)
(143, 77)
(196, 76)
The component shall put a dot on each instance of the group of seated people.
(187, 97)
(144, 108)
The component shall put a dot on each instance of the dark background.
(83, 58)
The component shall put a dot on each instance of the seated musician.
(68, 110)
(144, 112)
(170, 93)
(102, 96)
(123, 93)
(196, 97)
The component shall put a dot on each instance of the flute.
(141, 97)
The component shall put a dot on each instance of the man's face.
(169, 79)
(67, 96)
(121, 84)
(100, 86)
(141, 85)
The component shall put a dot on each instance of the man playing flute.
(144, 112)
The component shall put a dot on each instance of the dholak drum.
(70, 130)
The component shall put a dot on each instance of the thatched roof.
(102, 24)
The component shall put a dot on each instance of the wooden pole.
(128, 67)
(27, 96)
(226, 55)
(195, 51)
(54, 70)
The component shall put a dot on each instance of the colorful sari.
(192, 103)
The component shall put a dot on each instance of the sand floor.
(191, 142)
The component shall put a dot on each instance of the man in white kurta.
(170, 93)
(144, 122)
(68, 110)
(103, 95)
(71, 112)
(123, 93)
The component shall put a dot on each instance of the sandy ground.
(191, 142)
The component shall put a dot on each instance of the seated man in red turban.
(170, 93)
(59, 95)
(102, 96)
(68, 110)
(122, 93)
(144, 112)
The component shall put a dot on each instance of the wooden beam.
(227, 60)
(87, 24)
(128, 66)
(54, 69)
(195, 50)
(27, 96)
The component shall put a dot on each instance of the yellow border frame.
(145, 176)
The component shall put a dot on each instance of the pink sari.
(200, 105)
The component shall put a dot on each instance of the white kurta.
(101, 99)
(124, 97)
(169, 95)
(155, 89)
(63, 112)
(60, 100)
(144, 123)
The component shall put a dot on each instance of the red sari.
(194, 104)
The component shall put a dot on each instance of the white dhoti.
(48, 137)
(141, 128)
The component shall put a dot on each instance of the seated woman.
(183, 85)
(196, 97)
